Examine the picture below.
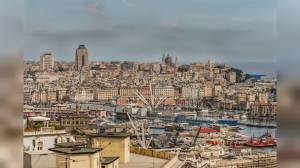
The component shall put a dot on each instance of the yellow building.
(231, 77)
(113, 145)
(77, 157)
(217, 90)
(51, 95)
(110, 162)
(128, 92)
(74, 120)
(106, 94)
(208, 91)
(167, 91)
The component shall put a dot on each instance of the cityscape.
(157, 114)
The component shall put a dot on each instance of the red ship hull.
(266, 140)
(260, 145)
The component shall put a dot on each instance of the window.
(68, 139)
(82, 60)
(33, 143)
(40, 145)
(55, 141)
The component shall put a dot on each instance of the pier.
(253, 124)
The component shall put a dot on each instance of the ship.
(266, 140)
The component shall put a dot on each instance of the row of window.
(40, 144)
(74, 122)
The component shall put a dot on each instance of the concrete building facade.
(46, 62)
(81, 57)
(113, 145)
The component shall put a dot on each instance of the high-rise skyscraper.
(46, 62)
(81, 57)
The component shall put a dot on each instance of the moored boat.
(266, 140)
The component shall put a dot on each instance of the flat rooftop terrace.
(138, 161)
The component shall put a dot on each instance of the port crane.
(196, 137)
(153, 103)
(140, 136)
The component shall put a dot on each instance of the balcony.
(43, 131)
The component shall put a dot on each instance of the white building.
(190, 92)
(84, 96)
(46, 62)
(44, 139)
(38, 159)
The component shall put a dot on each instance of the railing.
(43, 132)
(152, 153)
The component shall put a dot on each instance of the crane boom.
(196, 137)
(160, 101)
(136, 131)
(143, 99)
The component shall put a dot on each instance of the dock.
(252, 124)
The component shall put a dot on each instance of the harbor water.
(246, 130)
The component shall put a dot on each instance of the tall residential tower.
(81, 57)
(46, 62)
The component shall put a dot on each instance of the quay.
(261, 125)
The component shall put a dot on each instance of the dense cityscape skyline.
(251, 67)
(204, 111)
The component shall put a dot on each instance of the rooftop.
(111, 135)
(39, 152)
(81, 46)
(44, 132)
(108, 160)
(70, 144)
(39, 118)
(137, 161)
(75, 150)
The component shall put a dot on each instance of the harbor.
(147, 114)
(213, 141)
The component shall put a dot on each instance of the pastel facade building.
(113, 145)
(77, 157)
(46, 62)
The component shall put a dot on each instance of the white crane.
(140, 136)
(154, 101)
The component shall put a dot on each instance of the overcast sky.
(193, 30)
